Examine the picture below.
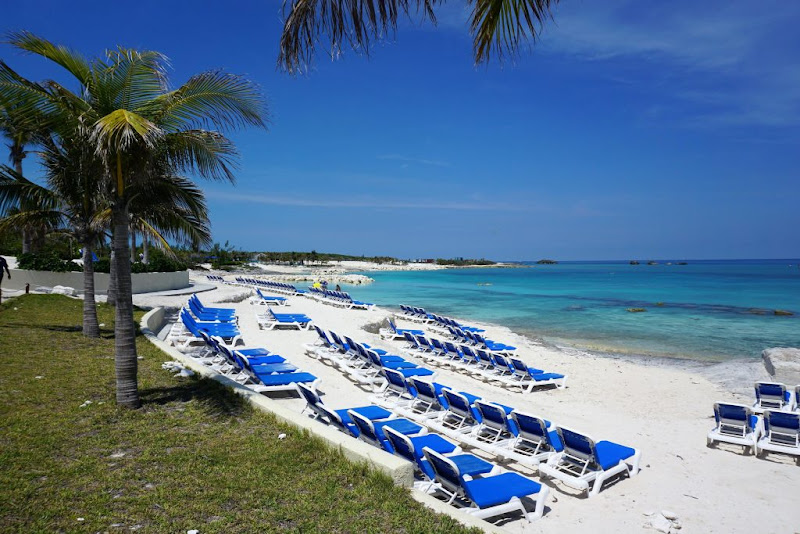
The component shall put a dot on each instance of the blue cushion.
(417, 371)
(286, 379)
(404, 426)
(545, 376)
(469, 464)
(370, 412)
(269, 368)
(434, 442)
(610, 454)
(555, 441)
(253, 352)
(491, 491)
(470, 397)
(399, 365)
(260, 360)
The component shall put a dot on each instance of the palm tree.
(18, 125)
(72, 204)
(498, 27)
(135, 118)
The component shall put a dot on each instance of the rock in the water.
(783, 364)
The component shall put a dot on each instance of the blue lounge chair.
(781, 434)
(771, 396)
(315, 404)
(535, 443)
(262, 299)
(491, 495)
(530, 377)
(397, 333)
(372, 431)
(585, 464)
(735, 424)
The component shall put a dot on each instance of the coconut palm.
(18, 125)
(498, 27)
(71, 204)
(135, 117)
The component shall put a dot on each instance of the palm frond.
(209, 154)
(71, 60)
(500, 26)
(133, 78)
(210, 99)
(31, 219)
(16, 190)
(352, 22)
(121, 129)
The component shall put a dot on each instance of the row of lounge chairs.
(772, 424)
(278, 287)
(359, 361)
(217, 331)
(481, 488)
(264, 300)
(270, 320)
(773, 431)
(216, 278)
(195, 318)
(338, 298)
(482, 363)
(508, 434)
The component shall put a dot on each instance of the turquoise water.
(704, 310)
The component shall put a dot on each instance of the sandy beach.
(663, 410)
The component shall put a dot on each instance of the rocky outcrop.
(783, 364)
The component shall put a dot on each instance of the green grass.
(195, 456)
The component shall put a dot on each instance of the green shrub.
(47, 261)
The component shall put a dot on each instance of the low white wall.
(142, 282)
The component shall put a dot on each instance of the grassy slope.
(194, 457)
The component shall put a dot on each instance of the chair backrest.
(503, 362)
(374, 359)
(392, 325)
(577, 445)
(352, 344)
(485, 357)
(519, 366)
(335, 420)
(531, 428)
(323, 336)
(310, 396)
(493, 416)
(425, 390)
(782, 428)
(436, 344)
(771, 394)
(458, 404)
(402, 444)
(446, 471)
(337, 340)
(422, 341)
(396, 381)
(366, 428)
(410, 338)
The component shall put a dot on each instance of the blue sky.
(633, 129)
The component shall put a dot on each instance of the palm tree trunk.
(17, 153)
(133, 245)
(111, 294)
(91, 327)
(145, 250)
(126, 363)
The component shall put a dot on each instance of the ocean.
(705, 310)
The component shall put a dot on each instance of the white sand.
(664, 411)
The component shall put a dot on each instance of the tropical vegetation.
(126, 136)
(498, 27)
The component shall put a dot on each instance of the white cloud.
(724, 63)
(360, 202)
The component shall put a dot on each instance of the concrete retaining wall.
(142, 282)
(401, 471)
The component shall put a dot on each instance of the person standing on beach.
(3, 265)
